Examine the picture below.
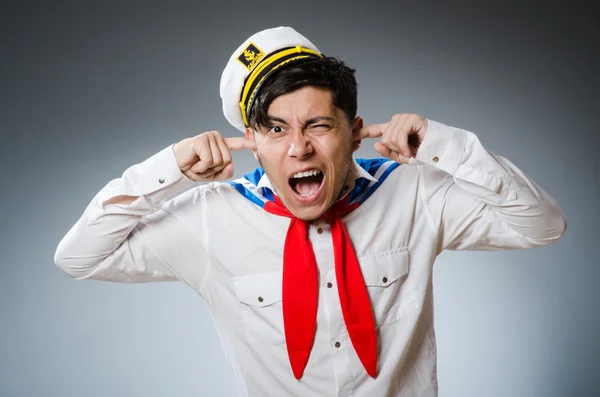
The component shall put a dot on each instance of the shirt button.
(337, 344)
(436, 159)
(161, 180)
(260, 299)
(319, 230)
(384, 279)
(329, 285)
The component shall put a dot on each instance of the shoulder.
(432, 181)
(201, 195)
(387, 171)
(393, 176)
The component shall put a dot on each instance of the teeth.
(306, 173)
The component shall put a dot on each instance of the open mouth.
(307, 184)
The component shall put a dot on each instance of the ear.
(250, 135)
(356, 126)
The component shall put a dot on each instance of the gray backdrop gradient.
(89, 88)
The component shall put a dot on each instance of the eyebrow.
(310, 121)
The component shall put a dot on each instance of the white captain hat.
(248, 67)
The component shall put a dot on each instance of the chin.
(306, 213)
(309, 215)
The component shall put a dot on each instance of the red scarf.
(301, 289)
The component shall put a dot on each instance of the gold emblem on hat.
(251, 56)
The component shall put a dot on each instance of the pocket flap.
(384, 268)
(259, 289)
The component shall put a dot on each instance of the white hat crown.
(253, 61)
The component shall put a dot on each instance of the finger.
(225, 173)
(224, 149)
(389, 146)
(203, 177)
(390, 137)
(209, 173)
(402, 141)
(382, 149)
(240, 143)
(215, 150)
(202, 148)
(217, 145)
(398, 134)
(370, 131)
(390, 154)
(402, 133)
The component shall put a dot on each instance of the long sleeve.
(137, 242)
(477, 200)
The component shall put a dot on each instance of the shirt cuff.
(443, 147)
(156, 178)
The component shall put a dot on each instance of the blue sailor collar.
(370, 174)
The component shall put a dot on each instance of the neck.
(348, 182)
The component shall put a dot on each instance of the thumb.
(390, 154)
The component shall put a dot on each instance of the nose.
(300, 146)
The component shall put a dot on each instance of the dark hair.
(328, 72)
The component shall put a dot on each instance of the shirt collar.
(360, 173)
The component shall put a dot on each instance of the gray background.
(88, 89)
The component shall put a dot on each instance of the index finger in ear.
(370, 131)
(240, 143)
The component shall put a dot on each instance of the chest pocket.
(260, 297)
(386, 277)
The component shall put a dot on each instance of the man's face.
(307, 150)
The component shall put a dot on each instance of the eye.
(321, 127)
(276, 129)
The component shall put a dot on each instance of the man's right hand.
(207, 157)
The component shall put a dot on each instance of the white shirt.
(454, 195)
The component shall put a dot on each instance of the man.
(317, 267)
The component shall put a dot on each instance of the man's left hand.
(400, 137)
